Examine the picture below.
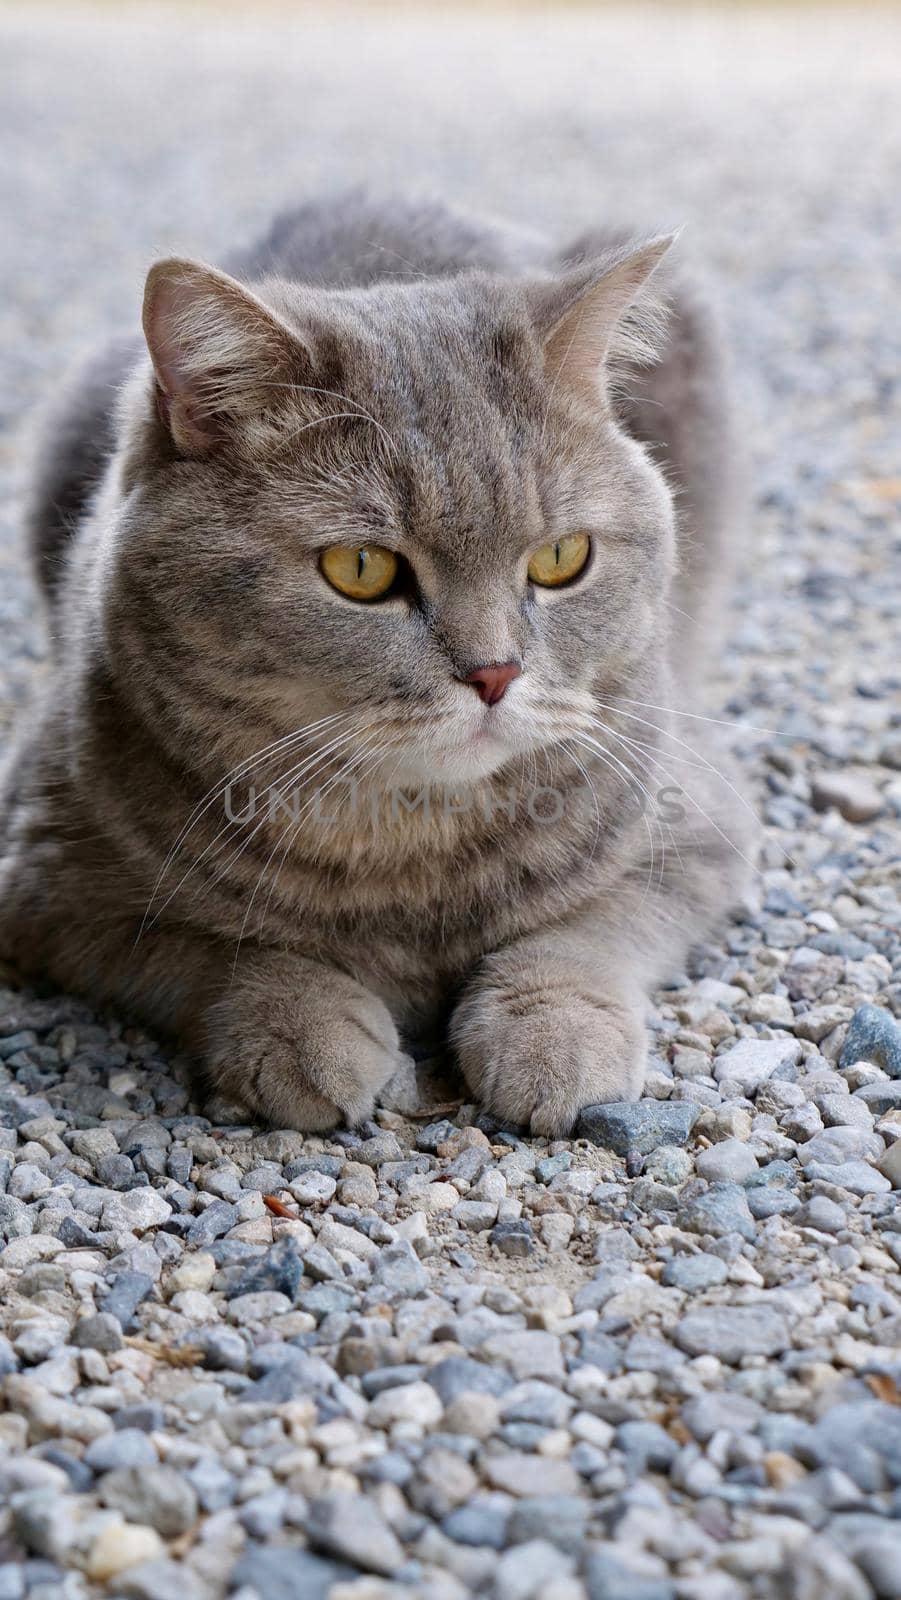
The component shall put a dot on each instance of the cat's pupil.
(557, 554)
(362, 558)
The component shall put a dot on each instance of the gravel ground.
(430, 1358)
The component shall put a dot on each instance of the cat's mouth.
(468, 749)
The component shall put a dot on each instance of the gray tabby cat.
(386, 522)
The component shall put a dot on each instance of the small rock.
(100, 1332)
(855, 797)
(752, 1061)
(350, 1527)
(730, 1161)
(121, 1545)
(694, 1273)
(641, 1126)
(732, 1332)
(723, 1209)
(873, 1035)
(158, 1497)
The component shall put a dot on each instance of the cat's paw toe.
(538, 1064)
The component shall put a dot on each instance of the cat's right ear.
(216, 350)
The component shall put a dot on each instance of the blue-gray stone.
(288, 1572)
(458, 1375)
(399, 1268)
(512, 1237)
(694, 1273)
(763, 1203)
(608, 1578)
(326, 1298)
(12, 1580)
(331, 1166)
(551, 1166)
(722, 1209)
(280, 1269)
(561, 1518)
(433, 1134)
(125, 1294)
(148, 1415)
(863, 1439)
(212, 1223)
(873, 1035)
(477, 1524)
(214, 1486)
(129, 1447)
(372, 1383)
(646, 1445)
(642, 1126)
(598, 1350)
(534, 1401)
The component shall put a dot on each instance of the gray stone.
(638, 1127)
(752, 1061)
(513, 1237)
(125, 1293)
(863, 1439)
(609, 1577)
(398, 1267)
(129, 1447)
(729, 1161)
(646, 1447)
(559, 1517)
(482, 1522)
(101, 1332)
(723, 1209)
(823, 1214)
(349, 1527)
(694, 1273)
(873, 1035)
(280, 1271)
(855, 1176)
(732, 1332)
(458, 1375)
(158, 1497)
(527, 1571)
(718, 1412)
(212, 1223)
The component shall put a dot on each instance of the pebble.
(873, 1035)
(855, 797)
(119, 1546)
(733, 1332)
(730, 1161)
(751, 1062)
(721, 1210)
(641, 1126)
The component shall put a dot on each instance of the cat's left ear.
(219, 354)
(601, 313)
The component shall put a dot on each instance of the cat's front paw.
(308, 1059)
(537, 1058)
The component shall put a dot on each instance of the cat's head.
(411, 503)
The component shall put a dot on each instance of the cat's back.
(357, 240)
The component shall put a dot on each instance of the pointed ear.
(600, 313)
(216, 349)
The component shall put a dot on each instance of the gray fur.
(400, 376)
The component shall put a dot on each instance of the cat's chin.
(452, 768)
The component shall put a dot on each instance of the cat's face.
(351, 503)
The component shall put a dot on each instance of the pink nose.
(493, 680)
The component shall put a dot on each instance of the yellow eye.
(557, 563)
(362, 573)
